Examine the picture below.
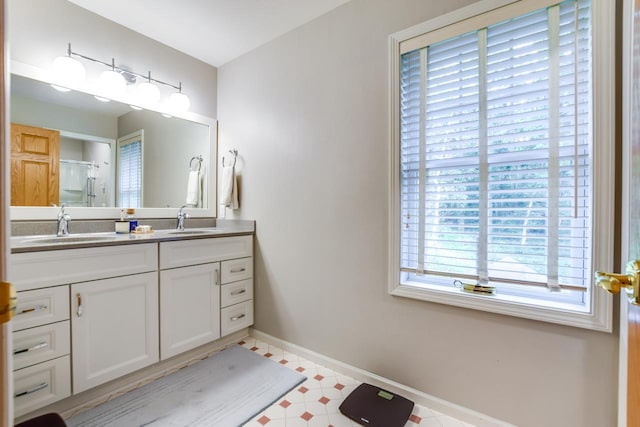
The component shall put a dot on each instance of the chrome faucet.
(181, 217)
(63, 222)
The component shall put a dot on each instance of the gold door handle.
(7, 302)
(613, 283)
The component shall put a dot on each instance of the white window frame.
(600, 315)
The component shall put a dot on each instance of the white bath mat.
(225, 390)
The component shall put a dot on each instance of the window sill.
(512, 306)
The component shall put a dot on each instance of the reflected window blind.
(496, 153)
(130, 174)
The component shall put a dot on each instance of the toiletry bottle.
(122, 226)
(131, 217)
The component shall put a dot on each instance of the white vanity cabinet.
(190, 291)
(87, 316)
(115, 296)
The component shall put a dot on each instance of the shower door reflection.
(79, 183)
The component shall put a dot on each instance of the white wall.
(308, 113)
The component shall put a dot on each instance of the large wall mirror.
(98, 156)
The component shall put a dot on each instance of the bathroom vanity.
(91, 311)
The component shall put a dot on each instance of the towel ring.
(199, 159)
(234, 153)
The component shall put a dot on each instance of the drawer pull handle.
(43, 344)
(233, 319)
(32, 309)
(79, 310)
(33, 390)
(241, 291)
(238, 270)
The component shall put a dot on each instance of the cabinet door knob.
(233, 319)
(79, 299)
(238, 270)
(241, 291)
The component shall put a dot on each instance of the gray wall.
(39, 30)
(169, 145)
(28, 111)
(308, 113)
(71, 149)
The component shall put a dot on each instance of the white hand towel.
(193, 188)
(229, 188)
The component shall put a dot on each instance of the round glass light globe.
(111, 84)
(179, 102)
(148, 93)
(67, 72)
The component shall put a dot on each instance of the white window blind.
(130, 173)
(496, 156)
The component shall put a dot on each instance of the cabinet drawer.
(234, 293)
(237, 269)
(40, 307)
(32, 270)
(40, 344)
(41, 384)
(181, 253)
(236, 317)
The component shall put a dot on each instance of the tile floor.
(315, 402)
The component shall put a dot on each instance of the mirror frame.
(21, 213)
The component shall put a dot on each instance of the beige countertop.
(39, 243)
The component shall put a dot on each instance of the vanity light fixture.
(68, 72)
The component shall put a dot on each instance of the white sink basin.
(193, 231)
(67, 239)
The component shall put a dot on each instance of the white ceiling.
(214, 31)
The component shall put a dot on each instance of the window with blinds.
(496, 157)
(130, 172)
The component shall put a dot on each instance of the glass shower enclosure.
(78, 183)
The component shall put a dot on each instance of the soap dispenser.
(131, 217)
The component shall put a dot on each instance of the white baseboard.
(445, 407)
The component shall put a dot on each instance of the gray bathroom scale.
(369, 405)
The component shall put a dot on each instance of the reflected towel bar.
(199, 159)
